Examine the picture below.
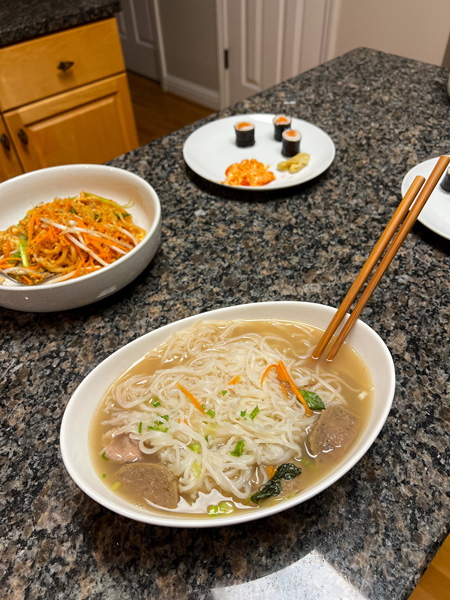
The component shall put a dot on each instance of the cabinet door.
(9, 163)
(92, 124)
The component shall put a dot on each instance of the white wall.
(417, 29)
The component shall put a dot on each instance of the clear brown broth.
(348, 365)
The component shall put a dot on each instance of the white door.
(138, 35)
(268, 41)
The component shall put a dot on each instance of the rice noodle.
(204, 359)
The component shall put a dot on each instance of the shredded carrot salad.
(249, 172)
(67, 238)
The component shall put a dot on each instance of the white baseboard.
(191, 91)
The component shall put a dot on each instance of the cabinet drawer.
(59, 62)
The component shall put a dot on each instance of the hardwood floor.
(158, 113)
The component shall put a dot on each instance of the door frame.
(327, 33)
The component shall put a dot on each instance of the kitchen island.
(369, 536)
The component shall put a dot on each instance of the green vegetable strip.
(285, 471)
(23, 250)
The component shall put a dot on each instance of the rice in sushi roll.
(290, 142)
(445, 183)
(245, 134)
(280, 124)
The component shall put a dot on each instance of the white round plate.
(84, 402)
(211, 149)
(436, 213)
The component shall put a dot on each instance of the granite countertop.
(370, 535)
(22, 20)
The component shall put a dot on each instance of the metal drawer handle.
(23, 137)
(65, 65)
(4, 139)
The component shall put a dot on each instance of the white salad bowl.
(84, 403)
(21, 193)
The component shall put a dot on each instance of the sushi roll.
(280, 123)
(245, 134)
(290, 142)
(445, 183)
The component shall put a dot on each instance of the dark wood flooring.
(158, 113)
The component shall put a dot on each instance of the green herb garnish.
(254, 412)
(104, 456)
(312, 400)
(195, 448)
(239, 448)
(158, 426)
(223, 392)
(285, 471)
(243, 413)
(140, 427)
(211, 413)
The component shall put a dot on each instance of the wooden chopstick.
(375, 255)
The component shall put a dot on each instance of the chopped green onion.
(239, 448)
(159, 426)
(166, 417)
(211, 413)
(224, 392)
(195, 448)
(254, 412)
(206, 437)
(104, 456)
(309, 464)
(72, 210)
(226, 507)
(96, 217)
(140, 427)
(156, 402)
(104, 475)
(243, 413)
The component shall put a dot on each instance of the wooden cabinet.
(64, 99)
(9, 163)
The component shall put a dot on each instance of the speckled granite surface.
(370, 535)
(22, 20)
